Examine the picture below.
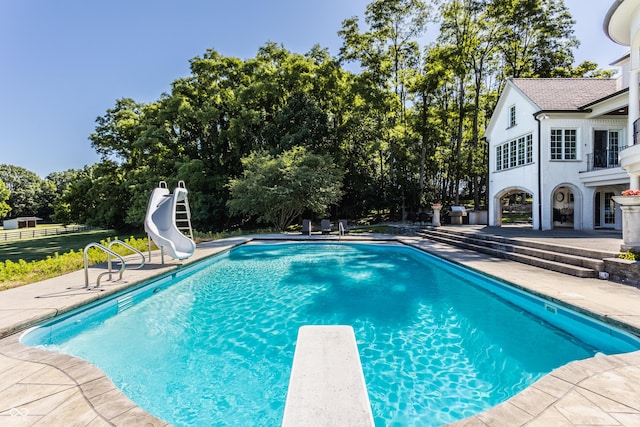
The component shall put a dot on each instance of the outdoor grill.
(456, 214)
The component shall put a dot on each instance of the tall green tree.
(4, 196)
(30, 195)
(469, 37)
(62, 180)
(278, 189)
(536, 37)
(76, 203)
(388, 53)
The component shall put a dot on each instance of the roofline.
(24, 218)
(608, 16)
(509, 85)
(597, 101)
(511, 81)
(563, 111)
(622, 58)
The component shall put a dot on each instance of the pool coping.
(40, 387)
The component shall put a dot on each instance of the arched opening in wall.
(563, 208)
(517, 208)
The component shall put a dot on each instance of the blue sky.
(65, 62)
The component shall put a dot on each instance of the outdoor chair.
(325, 226)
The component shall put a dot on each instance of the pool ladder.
(110, 253)
(340, 229)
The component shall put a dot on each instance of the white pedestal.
(630, 206)
(436, 216)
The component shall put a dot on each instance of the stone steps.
(577, 262)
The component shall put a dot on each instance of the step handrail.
(86, 263)
(128, 246)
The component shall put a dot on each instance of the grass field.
(33, 260)
(41, 248)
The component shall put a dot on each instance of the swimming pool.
(435, 343)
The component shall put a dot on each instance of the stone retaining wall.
(623, 271)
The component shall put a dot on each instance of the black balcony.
(603, 159)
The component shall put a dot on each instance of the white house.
(558, 141)
(569, 143)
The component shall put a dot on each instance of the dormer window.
(512, 116)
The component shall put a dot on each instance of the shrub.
(629, 255)
(14, 274)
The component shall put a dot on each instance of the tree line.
(395, 123)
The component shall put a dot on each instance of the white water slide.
(160, 222)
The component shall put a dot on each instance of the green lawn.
(40, 248)
(508, 218)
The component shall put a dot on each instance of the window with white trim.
(517, 152)
(614, 147)
(512, 116)
(521, 151)
(564, 144)
(513, 153)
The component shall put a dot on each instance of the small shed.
(21, 222)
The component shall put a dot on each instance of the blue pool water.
(214, 345)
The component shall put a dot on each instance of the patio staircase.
(579, 262)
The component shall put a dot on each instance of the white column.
(634, 102)
(436, 216)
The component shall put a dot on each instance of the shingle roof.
(565, 94)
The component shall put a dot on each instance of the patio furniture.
(325, 226)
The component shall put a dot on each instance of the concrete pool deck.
(40, 388)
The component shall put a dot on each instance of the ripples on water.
(217, 348)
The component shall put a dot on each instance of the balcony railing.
(603, 159)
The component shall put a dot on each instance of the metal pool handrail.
(86, 263)
(128, 246)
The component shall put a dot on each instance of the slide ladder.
(183, 214)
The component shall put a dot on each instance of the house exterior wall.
(520, 178)
(545, 178)
(573, 174)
